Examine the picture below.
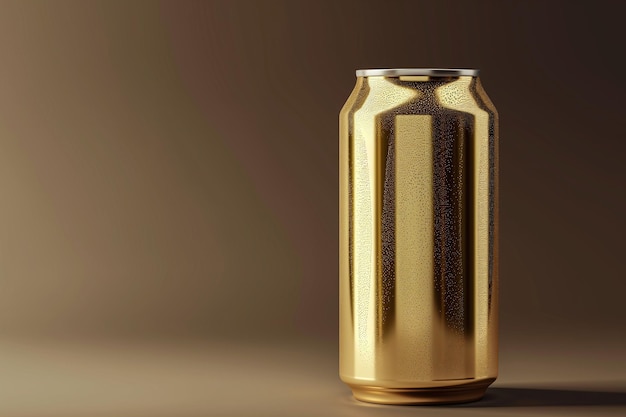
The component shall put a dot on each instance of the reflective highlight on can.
(418, 237)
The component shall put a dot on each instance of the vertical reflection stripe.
(414, 246)
(367, 212)
(346, 219)
(455, 96)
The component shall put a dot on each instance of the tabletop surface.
(288, 379)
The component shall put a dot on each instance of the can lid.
(432, 72)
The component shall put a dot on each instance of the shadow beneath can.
(536, 397)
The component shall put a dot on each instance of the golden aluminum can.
(418, 237)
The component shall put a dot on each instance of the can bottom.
(424, 396)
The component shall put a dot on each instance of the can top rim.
(432, 72)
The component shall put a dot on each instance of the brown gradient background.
(169, 178)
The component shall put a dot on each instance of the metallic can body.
(418, 238)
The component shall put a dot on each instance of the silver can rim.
(431, 72)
